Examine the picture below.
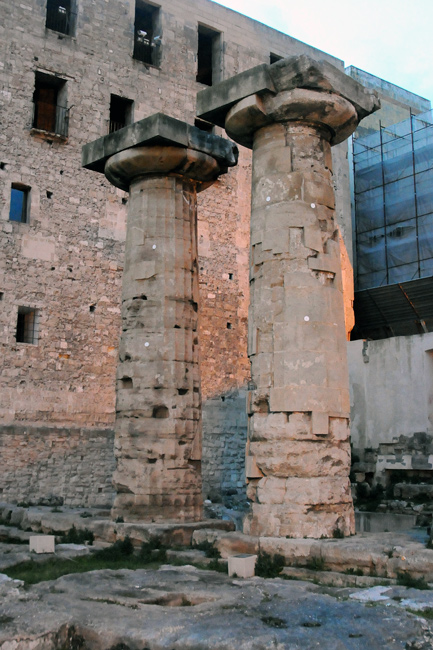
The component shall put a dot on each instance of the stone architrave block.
(42, 543)
(242, 565)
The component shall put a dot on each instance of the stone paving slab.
(183, 608)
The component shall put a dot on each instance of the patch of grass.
(311, 624)
(425, 613)
(316, 564)
(85, 515)
(274, 621)
(406, 580)
(209, 549)
(337, 534)
(118, 556)
(269, 566)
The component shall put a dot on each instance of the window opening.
(147, 33)
(120, 113)
(49, 99)
(20, 202)
(61, 16)
(27, 325)
(208, 56)
(273, 58)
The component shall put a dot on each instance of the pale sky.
(391, 39)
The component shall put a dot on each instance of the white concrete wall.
(391, 388)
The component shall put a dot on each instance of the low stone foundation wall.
(40, 464)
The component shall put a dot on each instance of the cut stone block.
(242, 565)
(42, 543)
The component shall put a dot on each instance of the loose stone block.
(42, 543)
(290, 114)
(243, 565)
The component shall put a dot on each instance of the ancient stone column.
(162, 163)
(298, 453)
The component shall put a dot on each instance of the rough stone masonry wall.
(225, 420)
(68, 260)
(56, 465)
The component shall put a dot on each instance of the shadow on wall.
(224, 440)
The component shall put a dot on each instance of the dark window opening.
(273, 58)
(230, 276)
(1, 295)
(20, 203)
(120, 113)
(203, 125)
(27, 325)
(229, 326)
(49, 105)
(208, 56)
(61, 16)
(147, 33)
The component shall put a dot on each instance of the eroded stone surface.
(182, 607)
(298, 456)
(162, 162)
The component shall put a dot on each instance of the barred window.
(27, 325)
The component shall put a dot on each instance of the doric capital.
(162, 134)
(325, 110)
(297, 88)
(125, 166)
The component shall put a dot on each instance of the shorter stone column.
(298, 454)
(163, 163)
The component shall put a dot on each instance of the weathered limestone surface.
(298, 455)
(163, 162)
(146, 609)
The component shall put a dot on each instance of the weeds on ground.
(209, 549)
(119, 555)
(269, 566)
(316, 563)
(353, 572)
(153, 551)
(74, 536)
(425, 613)
(406, 580)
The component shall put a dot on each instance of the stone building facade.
(70, 72)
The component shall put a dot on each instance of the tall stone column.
(298, 453)
(158, 410)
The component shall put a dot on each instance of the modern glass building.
(393, 185)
